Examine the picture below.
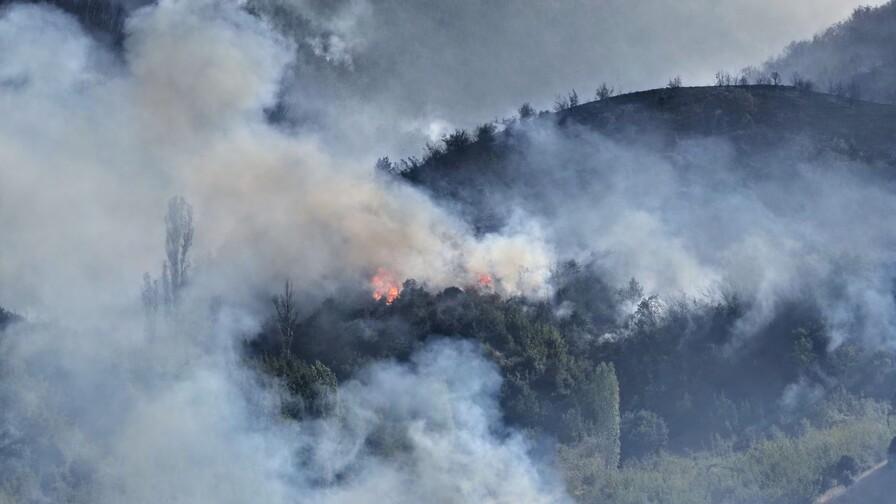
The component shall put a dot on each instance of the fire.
(485, 280)
(385, 286)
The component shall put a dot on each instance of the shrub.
(643, 433)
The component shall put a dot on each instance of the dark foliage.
(105, 19)
(644, 433)
(7, 318)
(755, 119)
(684, 375)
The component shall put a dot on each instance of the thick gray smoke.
(853, 58)
(93, 142)
(95, 410)
(703, 220)
(96, 148)
(105, 418)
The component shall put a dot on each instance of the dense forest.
(643, 397)
(659, 394)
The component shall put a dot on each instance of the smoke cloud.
(853, 58)
(94, 139)
(185, 116)
(95, 410)
(105, 419)
(702, 219)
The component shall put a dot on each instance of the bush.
(643, 433)
(485, 134)
(7, 317)
(603, 92)
(843, 472)
(456, 141)
(801, 83)
(310, 387)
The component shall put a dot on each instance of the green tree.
(643, 433)
(603, 411)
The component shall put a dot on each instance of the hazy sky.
(380, 76)
(418, 67)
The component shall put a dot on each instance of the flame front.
(385, 286)
(485, 280)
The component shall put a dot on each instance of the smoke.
(853, 58)
(92, 144)
(700, 218)
(440, 414)
(185, 115)
(423, 68)
(105, 420)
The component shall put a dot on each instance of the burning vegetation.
(385, 286)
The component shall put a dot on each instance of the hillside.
(871, 487)
(857, 56)
(759, 116)
(759, 130)
(751, 116)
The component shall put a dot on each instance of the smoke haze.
(92, 145)
(267, 115)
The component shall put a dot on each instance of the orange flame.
(385, 286)
(485, 280)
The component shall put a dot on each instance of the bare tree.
(674, 82)
(385, 165)
(165, 291)
(603, 92)
(801, 83)
(724, 78)
(566, 102)
(151, 302)
(287, 317)
(752, 75)
(561, 103)
(776, 78)
(526, 111)
(178, 240)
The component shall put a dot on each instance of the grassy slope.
(766, 113)
(780, 470)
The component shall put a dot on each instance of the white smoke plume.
(140, 426)
(97, 148)
(702, 220)
(91, 146)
